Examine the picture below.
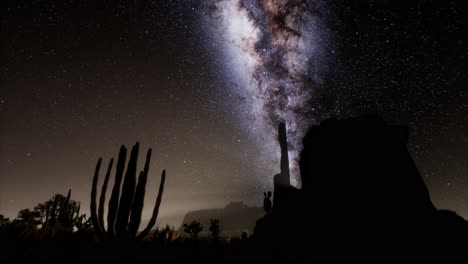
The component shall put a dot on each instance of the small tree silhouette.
(215, 228)
(193, 229)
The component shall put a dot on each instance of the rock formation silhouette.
(361, 195)
(267, 202)
(283, 178)
(283, 190)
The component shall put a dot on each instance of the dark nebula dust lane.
(278, 53)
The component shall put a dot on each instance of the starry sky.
(205, 83)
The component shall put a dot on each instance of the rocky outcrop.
(361, 194)
(360, 169)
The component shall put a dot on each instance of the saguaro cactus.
(125, 209)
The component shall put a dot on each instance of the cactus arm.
(102, 198)
(65, 206)
(128, 192)
(156, 208)
(114, 199)
(94, 218)
(53, 211)
(47, 213)
(78, 210)
(138, 201)
(137, 207)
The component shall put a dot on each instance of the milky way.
(278, 51)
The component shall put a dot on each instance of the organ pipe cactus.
(124, 209)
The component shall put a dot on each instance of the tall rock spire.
(284, 178)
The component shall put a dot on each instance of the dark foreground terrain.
(72, 250)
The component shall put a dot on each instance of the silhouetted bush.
(15, 230)
(165, 234)
(193, 229)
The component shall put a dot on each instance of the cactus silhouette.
(125, 209)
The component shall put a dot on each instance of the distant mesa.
(235, 218)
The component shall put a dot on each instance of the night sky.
(205, 83)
